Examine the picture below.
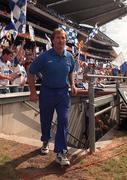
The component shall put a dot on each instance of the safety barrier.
(93, 103)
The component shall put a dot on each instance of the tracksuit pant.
(51, 99)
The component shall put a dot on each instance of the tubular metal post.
(91, 116)
(118, 103)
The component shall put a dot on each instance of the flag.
(18, 14)
(8, 34)
(10, 29)
(92, 34)
(71, 34)
(49, 43)
(31, 31)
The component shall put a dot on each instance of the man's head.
(59, 39)
(7, 55)
(29, 56)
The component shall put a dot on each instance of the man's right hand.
(33, 97)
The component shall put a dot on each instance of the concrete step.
(122, 112)
(123, 106)
(123, 116)
(125, 110)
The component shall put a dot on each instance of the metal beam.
(117, 15)
(104, 76)
(91, 9)
(39, 27)
(91, 110)
(99, 57)
(100, 50)
(56, 3)
(103, 14)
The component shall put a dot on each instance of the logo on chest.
(49, 61)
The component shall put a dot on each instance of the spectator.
(5, 76)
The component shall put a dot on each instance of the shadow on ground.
(33, 166)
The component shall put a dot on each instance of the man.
(56, 66)
(5, 76)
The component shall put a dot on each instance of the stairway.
(123, 117)
(123, 112)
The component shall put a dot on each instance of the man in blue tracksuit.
(56, 66)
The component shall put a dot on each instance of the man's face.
(8, 57)
(59, 41)
(29, 57)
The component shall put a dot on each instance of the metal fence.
(93, 104)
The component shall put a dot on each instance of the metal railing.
(92, 113)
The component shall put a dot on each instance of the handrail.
(15, 85)
(104, 76)
(106, 109)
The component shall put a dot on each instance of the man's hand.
(13, 76)
(73, 90)
(33, 97)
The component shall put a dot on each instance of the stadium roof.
(88, 11)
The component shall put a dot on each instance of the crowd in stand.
(14, 63)
(82, 68)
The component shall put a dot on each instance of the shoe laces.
(62, 155)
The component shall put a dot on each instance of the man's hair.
(7, 51)
(57, 31)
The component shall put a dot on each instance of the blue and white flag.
(10, 28)
(92, 33)
(8, 31)
(18, 14)
(71, 34)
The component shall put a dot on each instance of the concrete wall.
(19, 119)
